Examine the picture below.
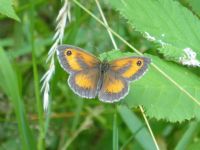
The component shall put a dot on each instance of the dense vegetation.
(165, 101)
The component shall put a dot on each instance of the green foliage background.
(169, 91)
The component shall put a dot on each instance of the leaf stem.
(106, 23)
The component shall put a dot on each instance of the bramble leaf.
(168, 23)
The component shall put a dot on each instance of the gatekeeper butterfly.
(89, 77)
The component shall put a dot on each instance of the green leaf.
(140, 133)
(165, 22)
(195, 4)
(9, 83)
(172, 53)
(6, 8)
(161, 98)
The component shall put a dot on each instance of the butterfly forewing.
(73, 59)
(130, 68)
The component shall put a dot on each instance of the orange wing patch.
(74, 59)
(130, 67)
(114, 86)
(84, 81)
(71, 59)
(72, 55)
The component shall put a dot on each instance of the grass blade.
(10, 86)
(188, 136)
(137, 128)
(115, 132)
(41, 138)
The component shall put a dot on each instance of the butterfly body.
(104, 66)
(89, 77)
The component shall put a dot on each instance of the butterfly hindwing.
(84, 83)
(74, 59)
(113, 87)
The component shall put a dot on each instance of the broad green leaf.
(141, 134)
(160, 97)
(165, 22)
(195, 4)
(6, 8)
(9, 83)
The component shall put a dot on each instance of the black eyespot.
(139, 63)
(69, 53)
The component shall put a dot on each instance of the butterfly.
(89, 77)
